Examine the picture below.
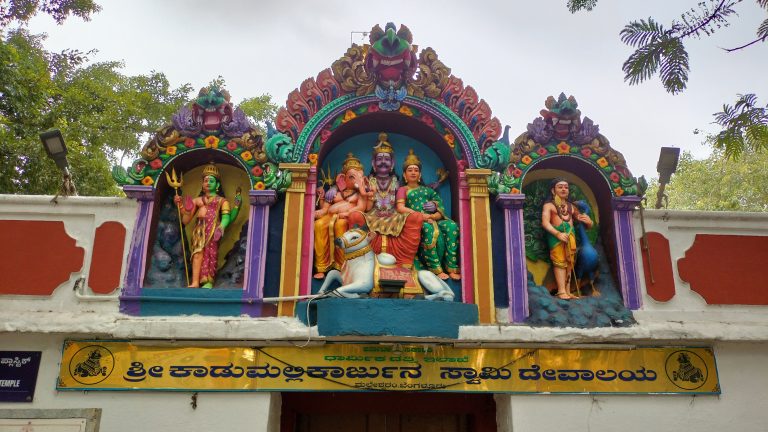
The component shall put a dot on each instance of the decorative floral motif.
(259, 185)
(231, 146)
(190, 142)
(449, 138)
(526, 160)
(324, 135)
(563, 148)
(406, 111)
(618, 191)
(603, 162)
(586, 152)
(614, 177)
(147, 181)
(156, 164)
(170, 150)
(211, 141)
(349, 115)
(246, 155)
(517, 173)
(312, 159)
(514, 191)
(257, 171)
(541, 151)
(427, 120)
(373, 108)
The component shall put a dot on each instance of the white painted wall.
(144, 411)
(741, 407)
(680, 228)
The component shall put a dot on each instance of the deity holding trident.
(213, 215)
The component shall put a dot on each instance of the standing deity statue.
(438, 249)
(212, 214)
(557, 218)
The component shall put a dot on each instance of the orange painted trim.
(727, 269)
(290, 261)
(293, 231)
(659, 278)
(482, 260)
(107, 258)
(38, 257)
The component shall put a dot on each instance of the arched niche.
(189, 166)
(361, 135)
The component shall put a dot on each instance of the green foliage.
(22, 10)
(745, 127)
(661, 51)
(715, 183)
(103, 115)
(259, 109)
(577, 5)
(658, 50)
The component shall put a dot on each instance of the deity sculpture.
(351, 194)
(438, 249)
(557, 218)
(395, 233)
(212, 214)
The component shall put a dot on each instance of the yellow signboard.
(100, 365)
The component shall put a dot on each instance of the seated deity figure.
(438, 249)
(395, 233)
(331, 219)
(557, 218)
(212, 214)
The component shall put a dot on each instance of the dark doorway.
(387, 412)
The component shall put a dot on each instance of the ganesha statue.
(349, 194)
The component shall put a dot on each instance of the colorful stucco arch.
(391, 79)
(433, 114)
(560, 132)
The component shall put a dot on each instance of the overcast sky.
(514, 54)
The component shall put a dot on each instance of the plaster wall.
(81, 216)
(128, 411)
(680, 228)
(740, 407)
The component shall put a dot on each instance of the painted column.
(307, 250)
(623, 211)
(517, 273)
(482, 264)
(465, 235)
(256, 254)
(137, 254)
(293, 229)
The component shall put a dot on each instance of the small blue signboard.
(18, 375)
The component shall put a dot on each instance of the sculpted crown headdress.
(411, 159)
(211, 170)
(383, 146)
(351, 162)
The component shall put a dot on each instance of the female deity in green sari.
(438, 249)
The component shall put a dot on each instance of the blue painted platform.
(387, 317)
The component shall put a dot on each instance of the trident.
(176, 183)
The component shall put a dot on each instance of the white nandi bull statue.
(356, 275)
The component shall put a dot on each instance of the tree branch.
(715, 13)
(760, 39)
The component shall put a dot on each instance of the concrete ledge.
(195, 327)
